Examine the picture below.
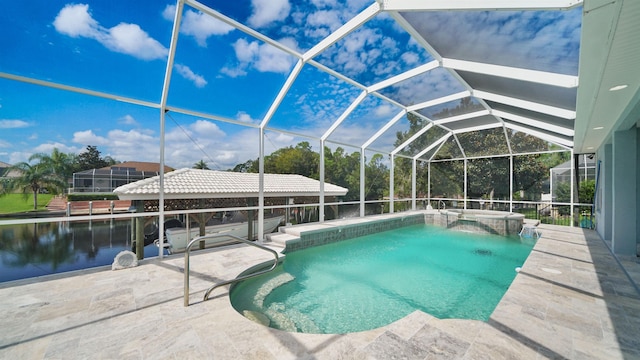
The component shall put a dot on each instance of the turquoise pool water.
(371, 281)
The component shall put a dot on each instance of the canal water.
(31, 250)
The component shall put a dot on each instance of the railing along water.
(201, 238)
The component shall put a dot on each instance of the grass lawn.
(15, 203)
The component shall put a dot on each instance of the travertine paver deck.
(570, 300)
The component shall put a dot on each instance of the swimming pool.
(371, 281)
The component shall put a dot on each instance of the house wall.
(618, 194)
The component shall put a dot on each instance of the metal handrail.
(200, 238)
(444, 205)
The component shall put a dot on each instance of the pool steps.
(284, 319)
(268, 287)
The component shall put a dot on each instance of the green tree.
(587, 191)
(61, 165)
(91, 159)
(343, 169)
(376, 178)
(301, 160)
(33, 179)
(249, 166)
(201, 165)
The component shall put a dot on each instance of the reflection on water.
(31, 250)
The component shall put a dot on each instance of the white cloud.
(88, 137)
(13, 124)
(410, 58)
(266, 12)
(246, 51)
(271, 59)
(325, 18)
(4, 144)
(47, 148)
(199, 25)
(261, 57)
(385, 110)
(75, 20)
(244, 117)
(130, 39)
(207, 129)
(186, 73)
(19, 156)
(128, 120)
(233, 72)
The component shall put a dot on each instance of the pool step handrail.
(212, 236)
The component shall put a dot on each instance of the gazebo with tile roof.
(209, 189)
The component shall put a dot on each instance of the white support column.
(362, 182)
(510, 183)
(573, 185)
(429, 183)
(413, 184)
(163, 110)
(465, 182)
(391, 184)
(261, 187)
(321, 199)
(605, 183)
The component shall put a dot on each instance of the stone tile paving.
(570, 300)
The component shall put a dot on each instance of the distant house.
(3, 168)
(108, 178)
(4, 174)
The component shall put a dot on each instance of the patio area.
(571, 299)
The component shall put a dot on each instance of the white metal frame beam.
(283, 92)
(540, 77)
(529, 105)
(534, 123)
(344, 115)
(489, 5)
(384, 129)
(404, 76)
(435, 143)
(554, 139)
(477, 128)
(462, 117)
(343, 31)
(438, 101)
(412, 138)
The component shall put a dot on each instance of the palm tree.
(33, 179)
(201, 165)
(59, 162)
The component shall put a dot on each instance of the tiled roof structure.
(195, 184)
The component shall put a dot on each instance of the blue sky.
(121, 47)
